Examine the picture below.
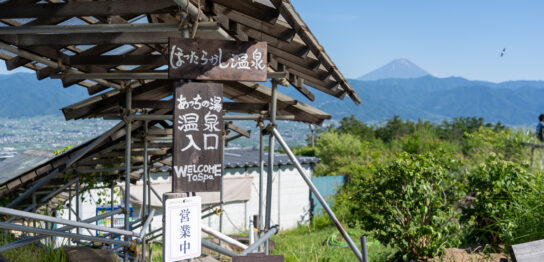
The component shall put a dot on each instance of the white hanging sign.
(182, 228)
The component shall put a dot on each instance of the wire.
(233, 225)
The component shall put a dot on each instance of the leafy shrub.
(336, 151)
(409, 204)
(506, 144)
(304, 151)
(505, 205)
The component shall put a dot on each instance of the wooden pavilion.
(117, 50)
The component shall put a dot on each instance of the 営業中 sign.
(181, 229)
(206, 59)
(198, 140)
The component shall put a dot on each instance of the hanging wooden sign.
(205, 59)
(198, 140)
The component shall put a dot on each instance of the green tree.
(350, 125)
(394, 129)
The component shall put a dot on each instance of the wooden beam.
(90, 39)
(298, 83)
(16, 62)
(114, 75)
(253, 9)
(238, 129)
(114, 60)
(94, 28)
(15, 9)
(100, 38)
(280, 29)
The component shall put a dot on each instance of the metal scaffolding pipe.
(270, 173)
(45, 198)
(194, 11)
(320, 198)
(153, 190)
(145, 211)
(42, 231)
(259, 241)
(14, 212)
(78, 207)
(146, 223)
(225, 117)
(261, 179)
(29, 240)
(217, 248)
(223, 237)
(128, 141)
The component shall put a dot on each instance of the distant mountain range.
(22, 95)
(398, 68)
(436, 99)
(425, 97)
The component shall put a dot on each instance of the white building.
(290, 194)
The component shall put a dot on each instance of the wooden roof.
(107, 45)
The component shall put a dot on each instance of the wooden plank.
(16, 62)
(258, 257)
(114, 60)
(298, 83)
(94, 28)
(253, 9)
(198, 138)
(241, 107)
(16, 9)
(90, 38)
(528, 252)
(280, 29)
(238, 107)
(217, 60)
(238, 129)
(46, 72)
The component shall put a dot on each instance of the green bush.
(304, 151)
(409, 204)
(506, 144)
(504, 204)
(336, 151)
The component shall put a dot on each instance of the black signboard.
(198, 140)
(206, 59)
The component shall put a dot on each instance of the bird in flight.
(502, 52)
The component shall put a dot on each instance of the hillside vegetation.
(421, 187)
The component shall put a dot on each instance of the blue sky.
(446, 38)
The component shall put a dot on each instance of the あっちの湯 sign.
(198, 137)
(203, 59)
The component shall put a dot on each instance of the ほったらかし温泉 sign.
(198, 140)
(204, 59)
(182, 218)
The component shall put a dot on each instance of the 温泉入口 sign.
(204, 59)
(181, 229)
(198, 140)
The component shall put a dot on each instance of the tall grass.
(31, 252)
